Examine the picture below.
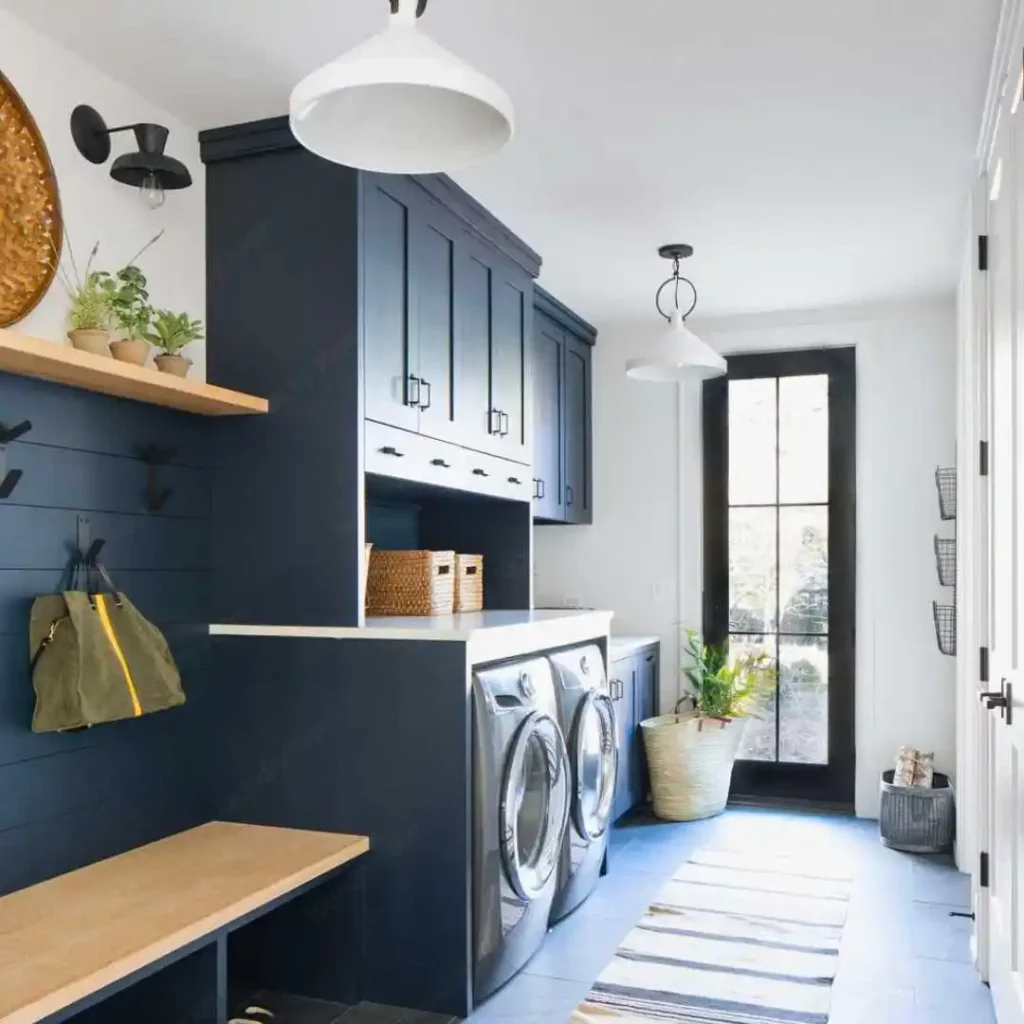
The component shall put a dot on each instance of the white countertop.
(491, 635)
(622, 646)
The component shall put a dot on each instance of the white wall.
(52, 82)
(648, 536)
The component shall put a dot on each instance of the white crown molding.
(1006, 63)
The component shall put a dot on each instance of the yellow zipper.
(108, 628)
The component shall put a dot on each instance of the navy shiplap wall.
(69, 799)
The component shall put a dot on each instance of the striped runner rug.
(731, 939)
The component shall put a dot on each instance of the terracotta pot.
(96, 342)
(131, 350)
(176, 365)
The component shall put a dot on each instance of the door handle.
(412, 397)
(390, 450)
(424, 406)
(1002, 700)
(441, 463)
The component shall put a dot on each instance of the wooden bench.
(69, 942)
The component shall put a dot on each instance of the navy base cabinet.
(562, 413)
(634, 682)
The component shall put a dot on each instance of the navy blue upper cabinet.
(562, 413)
(392, 388)
(474, 293)
(512, 317)
(548, 418)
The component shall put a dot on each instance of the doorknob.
(1002, 700)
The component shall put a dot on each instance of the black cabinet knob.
(480, 472)
(514, 480)
(441, 463)
(390, 450)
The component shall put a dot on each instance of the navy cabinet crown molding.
(562, 413)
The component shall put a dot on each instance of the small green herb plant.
(722, 688)
(128, 293)
(173, 331)
(90, 308)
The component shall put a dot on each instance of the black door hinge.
(983, 458)
(983, 871)
(983, 664)
(983, 252)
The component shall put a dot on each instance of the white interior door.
(1005, 714)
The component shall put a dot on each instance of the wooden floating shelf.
(61, 364)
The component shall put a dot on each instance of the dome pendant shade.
(401, 104)
(677, 354)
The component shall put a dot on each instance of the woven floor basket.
(469, 583)
(691, 761)
(411, 583)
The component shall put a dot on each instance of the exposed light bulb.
(152, 192)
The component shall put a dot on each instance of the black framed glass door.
(779, 560)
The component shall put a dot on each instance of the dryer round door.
(534, 804)
(595, 763)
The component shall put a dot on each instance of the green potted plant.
(128, 293)
(691, 753)
(90, 317)
(171, 333)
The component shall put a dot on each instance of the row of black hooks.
(153, 455)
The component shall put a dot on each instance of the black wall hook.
(9, 479)
(154, 456)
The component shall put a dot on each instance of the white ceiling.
(815, 152)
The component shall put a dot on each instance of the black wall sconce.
(149, 170)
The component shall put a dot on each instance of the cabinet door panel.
(512, 315)
(548, 418)
(387, 337)
(577, 490)
(473, 293)
(433, 267)
(623, 675)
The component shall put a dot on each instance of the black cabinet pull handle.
(412, 397)
(649, 658)
(543, 489)
(503, 430)
(480, 472)
(569, 496)
(390, 450)
(441, 463)
(514, 480)
(491, 428)
(424, 406)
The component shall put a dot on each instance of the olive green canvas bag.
(95, 658)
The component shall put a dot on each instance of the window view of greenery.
(778, 557)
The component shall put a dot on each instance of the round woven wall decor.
(30, 220)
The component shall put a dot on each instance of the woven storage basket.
(917, 820)
(411, 583)
(469, 583)
(691, 761)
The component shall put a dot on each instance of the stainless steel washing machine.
(521, 796)
(587, 717)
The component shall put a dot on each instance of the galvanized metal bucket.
(917, 820)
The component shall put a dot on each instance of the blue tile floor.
(904, 960)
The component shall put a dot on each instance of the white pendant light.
(401, 104)
(676, 354)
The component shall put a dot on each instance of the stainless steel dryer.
(521, 796)
(587, 716)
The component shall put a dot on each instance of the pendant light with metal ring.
(677, 353)
(401, 104)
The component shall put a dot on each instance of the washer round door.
(595, 764)
(534, 804)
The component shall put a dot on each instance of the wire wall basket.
(945, 483)
(945, 627)
(945, 560)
